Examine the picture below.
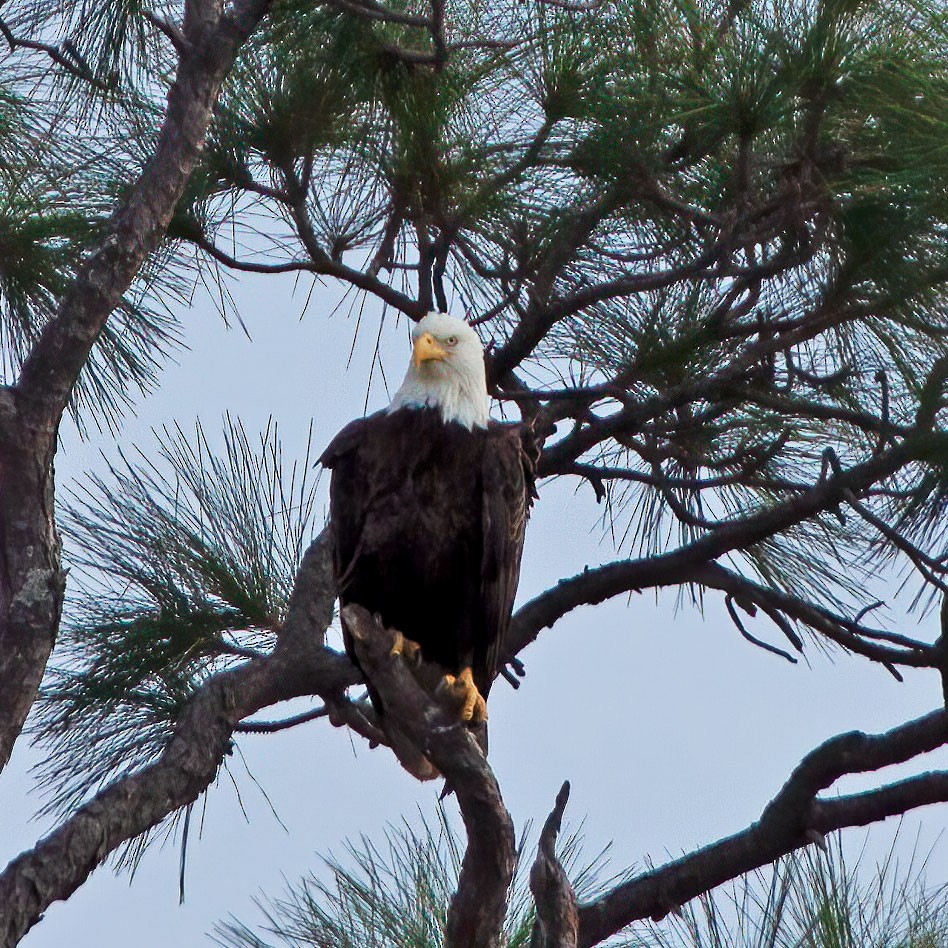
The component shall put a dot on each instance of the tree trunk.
(32, 583)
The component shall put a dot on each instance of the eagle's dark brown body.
(428, 521)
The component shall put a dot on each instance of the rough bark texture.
(479, 907)
(665, 414)
(32, 583)
(300, 665)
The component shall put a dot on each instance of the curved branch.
(793, 819)
(299, 665)
(593, 586)
(272, 727)
(577, 227)
(726, 380)
(324, 264)
(61, 862)
(248, 266)
(60, 55)
(478, 909)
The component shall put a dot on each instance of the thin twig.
(58, 54)
(271, 727)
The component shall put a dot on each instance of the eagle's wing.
(508, 490)
(347, 495)
(348, 439)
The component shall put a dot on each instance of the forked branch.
(478, 909)
(557, 922)
(796, 817)
(300, 665)
(694, 562)
(62, 861)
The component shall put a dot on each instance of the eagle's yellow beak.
(426, 349)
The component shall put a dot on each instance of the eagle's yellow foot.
(463, 694)
(408, 649)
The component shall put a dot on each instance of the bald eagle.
(428, 503)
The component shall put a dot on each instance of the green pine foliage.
(670, 124)
(697, 174)
(760, 162)
(339, 139)
(70, 144)
(182, 560)
(396, 894)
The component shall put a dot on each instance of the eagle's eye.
(452, 340)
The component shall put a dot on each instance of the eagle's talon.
(463, 696)
(410, 651)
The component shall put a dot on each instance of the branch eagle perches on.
(797, 816)
(301, 664)
(477, 912)
(717, 293)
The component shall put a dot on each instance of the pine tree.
(706, 247)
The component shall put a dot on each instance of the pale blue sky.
(672, 730)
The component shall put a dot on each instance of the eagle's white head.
(446, 372)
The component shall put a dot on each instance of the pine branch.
(478, 909)
(250, 266)
(678, 566)
(272, 727)
(637, 414)
(325, 264)
(796, 817)
(73, 64)
(50, 373)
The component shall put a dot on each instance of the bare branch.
(557, 922)
(477, 911)
(58, 54)
(845, 632)
(272, 727)
(249, 266)
(766, 646)
(171, 31)
(796, 817)
(678, 566)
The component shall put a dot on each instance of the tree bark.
(479, 907)
(31, 580)
(32, 583)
